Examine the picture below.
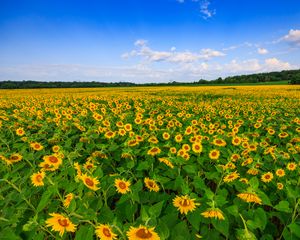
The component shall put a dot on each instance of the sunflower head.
(142, 233)
(122, 186)
(104, 232)
(60, 224)
(184, 204)
(151, 185)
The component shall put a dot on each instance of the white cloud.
(274, 64)
(262, 51)
(171, 56)
(204, 9)
(293, 37)
(140, 42)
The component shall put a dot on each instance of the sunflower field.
(147, 163)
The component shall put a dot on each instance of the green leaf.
(295, 229)
(194, 219)
(155, 210)
(180, 232)
(144, 213)
(283, 206)
(222, 226)
(233, 210)
(143, 166)
(45, 199)
(84, 232)
(243, 234)
(162, 230)
(190, 169)
(254, 183)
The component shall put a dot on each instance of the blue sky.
(146, 40)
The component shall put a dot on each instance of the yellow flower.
(37, 179)
(280, 186)
(166, 136)
(90, 182)
(60, 224)
(236, 141)
(154, 151)
(122, 186)
(104, 232)
(151, 185)
(219, 142)
(142, 233)
(291, 166)
(69, 197)
(55, 148)
(214, 154)
(36, 146)
(197, 147)
(267, 177)
(53, 160)
(213, 213)
(20, 132)
(280, 172)
(184, 204)
(166, 161)
(249, 197)
(231, 177)
(14, 158)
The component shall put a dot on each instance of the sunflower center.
(122, 185)
(197, 147)
(218, 141)
(63, 222)
(185, 202)
(37, 145)
(143, 233)
(267, 177)
(39, 178)
(14, 158)
(151, 184)
(214, 154)
(89, 182)
(106, 232)
(53, 159)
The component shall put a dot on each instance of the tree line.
(292, 76)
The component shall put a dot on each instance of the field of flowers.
(177, 163)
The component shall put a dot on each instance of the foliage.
(72, 152)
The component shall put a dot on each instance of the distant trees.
(293, 76)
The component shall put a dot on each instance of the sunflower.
(280, 172)
(142, 233)
(214, 154)
(128, 127)
(154, 151)
(219, 142)
(197, 147)
(213, 213)
(90, 182)
(36, 146)
(104, 232)
(267, 177)
(37, 179)
(110, 134)
(249, 197)
(60, 224)
(20, 132)
(55, 148)
(151, 185)
(184, 204)
(236, 141)
(231, 177)
(122, 186)
(14, 158)
(178, 138)
(166, 136)
(166, 161)
(53, 160)
(280, 186)
(291, 166)
(69, 197)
